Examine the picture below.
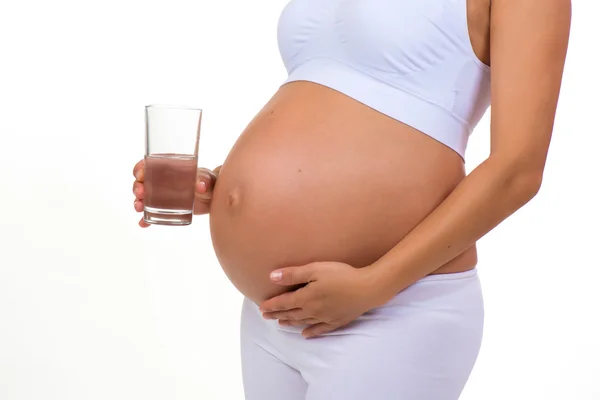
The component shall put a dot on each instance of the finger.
(318, 329)
(139, 167)
(138, 190)
(201, 206)
(143, 223)
(138, 171)
(293, 275)
(205, 181)
(302, 322)
(292, 315)
(285, 301)
(138, 205)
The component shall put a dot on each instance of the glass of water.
(171, 163)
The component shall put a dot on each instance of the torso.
(318, 176)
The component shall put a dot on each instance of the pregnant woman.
(343, 213)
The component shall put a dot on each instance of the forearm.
(487, 196)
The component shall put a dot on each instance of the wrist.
(380, 284)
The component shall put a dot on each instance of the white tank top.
(409, 59)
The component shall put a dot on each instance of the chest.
(371, 30)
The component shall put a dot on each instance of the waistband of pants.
(450, 276)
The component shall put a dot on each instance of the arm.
(528, 48)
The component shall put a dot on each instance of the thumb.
(293, 275)
(205, 182)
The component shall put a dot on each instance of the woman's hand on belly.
(334, 295)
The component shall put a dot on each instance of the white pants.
(422, 345)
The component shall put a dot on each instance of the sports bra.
(411, 60)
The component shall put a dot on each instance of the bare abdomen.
(322, 180)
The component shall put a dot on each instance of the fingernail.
(136, 190)
(138, 175)
(276, 276)
(201, 186)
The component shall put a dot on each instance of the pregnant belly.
(325, 179)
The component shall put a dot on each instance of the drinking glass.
(171, 163)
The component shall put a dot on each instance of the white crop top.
(409, 59)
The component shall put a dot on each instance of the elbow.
(529, 184)
(521, 180)
(523, 185)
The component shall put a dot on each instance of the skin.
(205, 182)
(529, 40)
(327, 191)
(527, 51)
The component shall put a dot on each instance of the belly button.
(234, 198)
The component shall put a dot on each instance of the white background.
(93, 307)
